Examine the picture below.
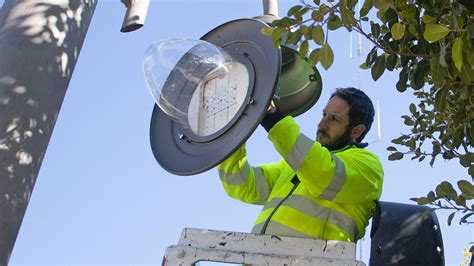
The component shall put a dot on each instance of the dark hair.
(361, 109)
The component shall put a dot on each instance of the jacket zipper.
(295, 182)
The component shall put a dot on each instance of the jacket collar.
(360, 145)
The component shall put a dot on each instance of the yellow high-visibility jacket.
(334, 199)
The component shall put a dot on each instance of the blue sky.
(101, 198)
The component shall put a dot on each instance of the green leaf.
(294, 10)
(401, 5)
(466, 159)
(419, 73)
(364, 66)
(467, 72)
(365, 8)
(398, 141)
(423, 201)
(391, 62)
(304, 10)
(382, 4)
(435, 32)
(276, 36)
(446, 190)
(397, 30)
(375, 29)
(334, 22)
(316, 2)
(395, 156)
(457, 53)
(293, 37)
(457, 136)
(390, 16)
(276, 23)
(412, 14)
(414, 199)
(440, 101)
(427, 19)
(318, 34)
(412, 108)
(471, 171)
(287, 22)
(371, 56)
(324, 7)
(450, 217)
(318, 15)
(448, 155)
(431, 196)
(267, 31)
(470, 31)
(460, 201)
(438, 72)
(351, 3)
(304, 30)
(466, 188)
(412, 30)
(436, 148)
(408, 121)
(313, 57)
(348, 18)
(303, 51)
(391, 148)
(404, 60)
(470, 57)
(326, 56)
(378, 68)
(402, 80)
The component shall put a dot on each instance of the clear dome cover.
(195, 83)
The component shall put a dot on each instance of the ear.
(357, 131)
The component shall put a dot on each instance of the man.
(323, 189)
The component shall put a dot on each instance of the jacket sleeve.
(353, 175)
(246, 183)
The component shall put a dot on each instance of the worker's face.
(333, 129)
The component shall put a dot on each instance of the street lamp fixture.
(212, 93)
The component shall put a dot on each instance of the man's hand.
(271, 106)
(272, 116)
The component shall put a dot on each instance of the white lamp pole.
(270, 7)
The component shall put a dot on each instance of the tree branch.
(358, 28)
(330, 10)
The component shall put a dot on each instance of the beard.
(339, 142)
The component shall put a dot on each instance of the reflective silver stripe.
(276, 228)
(272, 204)
(237, 178)
(312, 209)
(262, 185)
(344, 222)
(299, 151)
(337, 181)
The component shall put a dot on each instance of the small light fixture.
(136, 14)
(196, 83)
